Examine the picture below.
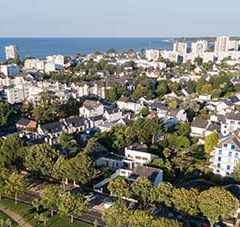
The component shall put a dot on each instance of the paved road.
(14, 216)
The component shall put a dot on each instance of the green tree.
(41, 218)
(119, 187)
(163, 193)
(173, 104)
(141, 189)
(16, 185)
(47, 108)
(67, 141)
(211, 141)
(117, 215)
(5, 111)
(3, 180)
(145, 111)
(70, 205)
(217, 202)
(236, 172)
(82, 169)
(40, 159)
(163, 222)
(12, 152)
(140, 219)
(185, 200)
(162, 88)
(50, 196)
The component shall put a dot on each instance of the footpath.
(14, 216)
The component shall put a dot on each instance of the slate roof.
(145, 171)
(75, 121)
(53, 127)
(91, 104)
(233, 116)
(23, 121)
(199, 123)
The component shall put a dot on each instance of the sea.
(42, 47)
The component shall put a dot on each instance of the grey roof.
(158, 105)
(75, 121)
(145, 171)
(199, 123)
(53, 127)
(23, 121)
(138, 147)
(232, 138)
(91, 104)
(233, 116)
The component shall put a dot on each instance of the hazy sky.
(119, 18)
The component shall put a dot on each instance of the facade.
(11, 52)
(152, 55)
(221, 45)
(180, 48)
(226, 155)
(231, 123)
(199, 48)
(34, 64)
(16, 94)
(91, 108)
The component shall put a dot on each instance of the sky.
(119, 18)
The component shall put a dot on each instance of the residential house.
(125, 103)
(26, 124)
(76, 124)
(231, 123)
(226, 154)
(91, 108)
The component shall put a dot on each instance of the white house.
(91, 108)
(226, 155)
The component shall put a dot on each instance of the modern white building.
(199, 48)
(152, 55)
(11, 52)
(180, 48)
(16, 94)
(57, 59)
(221, 45)
(231, 123)
(34, 64)
(226, 155)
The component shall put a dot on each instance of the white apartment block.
(171, 55)
(57, 59)
(11, 52)
(231, 124)
(52, 67)
(9, 70)
(221, 45)
(152, 55)
(34, 64)
(16, 94)
(180, 48)
(226, 155)
(199, 48)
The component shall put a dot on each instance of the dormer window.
(225, 145)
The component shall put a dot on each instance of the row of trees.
(44, 160)
(213, 203)
(119, 214)
(54, 198)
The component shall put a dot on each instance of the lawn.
(5, 217)
(28, 212)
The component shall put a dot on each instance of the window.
(145, 159)
(138, 157)
(219, 151)
(230, 154)
(225, 145)
(232, 146)
(236, 155)
(218, 171)
(228, 167)
(219, 159)
(232, 122)
(218, 165)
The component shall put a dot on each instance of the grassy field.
(5, 217)
(28, 212)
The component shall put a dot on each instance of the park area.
(28, 214)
